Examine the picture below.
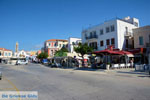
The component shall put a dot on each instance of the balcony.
(148, 45)
(91, 37)
(128, 34)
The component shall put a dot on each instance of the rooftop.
(57, 40)
(141, 28)
(126, 19)
(4, 49)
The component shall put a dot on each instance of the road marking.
(13, 85)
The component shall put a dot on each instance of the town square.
(74, 50)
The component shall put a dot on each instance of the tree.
(42, 55)
(83, 49)
(62, 52)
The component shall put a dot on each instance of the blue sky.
(31, 22)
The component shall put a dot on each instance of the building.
(32, 53)
(5, 54)
(21, 54)
(73, 42)
(53, 45)
(116, 32)
(141, 37)
(38, 52)
(142, 42)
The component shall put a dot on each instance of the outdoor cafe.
(113, 58)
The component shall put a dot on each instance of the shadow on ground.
(77, 68)
(145, 76)
(89, 69)
(141, 73)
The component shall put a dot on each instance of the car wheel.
(0, 78)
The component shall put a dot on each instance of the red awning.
(108, 52)
(126, 52)
(112, 52)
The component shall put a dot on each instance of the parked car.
(56, 65)
(0, 75)
(22, 62)
(45, 61)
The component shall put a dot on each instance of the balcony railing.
(128, 34)
(92, 37)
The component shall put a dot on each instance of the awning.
(113, 52)
(108, 52)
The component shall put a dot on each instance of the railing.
(128, 34)
(92, 37)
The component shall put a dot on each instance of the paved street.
(69, 84)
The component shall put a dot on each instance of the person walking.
(132, 64)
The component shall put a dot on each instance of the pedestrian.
(132, 64)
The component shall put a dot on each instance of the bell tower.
(17, 46)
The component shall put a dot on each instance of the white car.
(22, 62)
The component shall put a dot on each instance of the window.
(93, 45)
(55, 44)
(112, 28)
(107, 29)
(5, 54)
(9, 54)
(49, 44)
(101, 43)
(59, 45)
(85, 36)
(91, 34)
(101, 32)
(140, 40)
(112, 41)
(94, 33)
(73, 43)
(127, 43)
(107, 42)
(51, 52)
(0, 53)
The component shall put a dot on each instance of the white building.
(72, 42)
(117, 33)
(21, 54)
(5, 54)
